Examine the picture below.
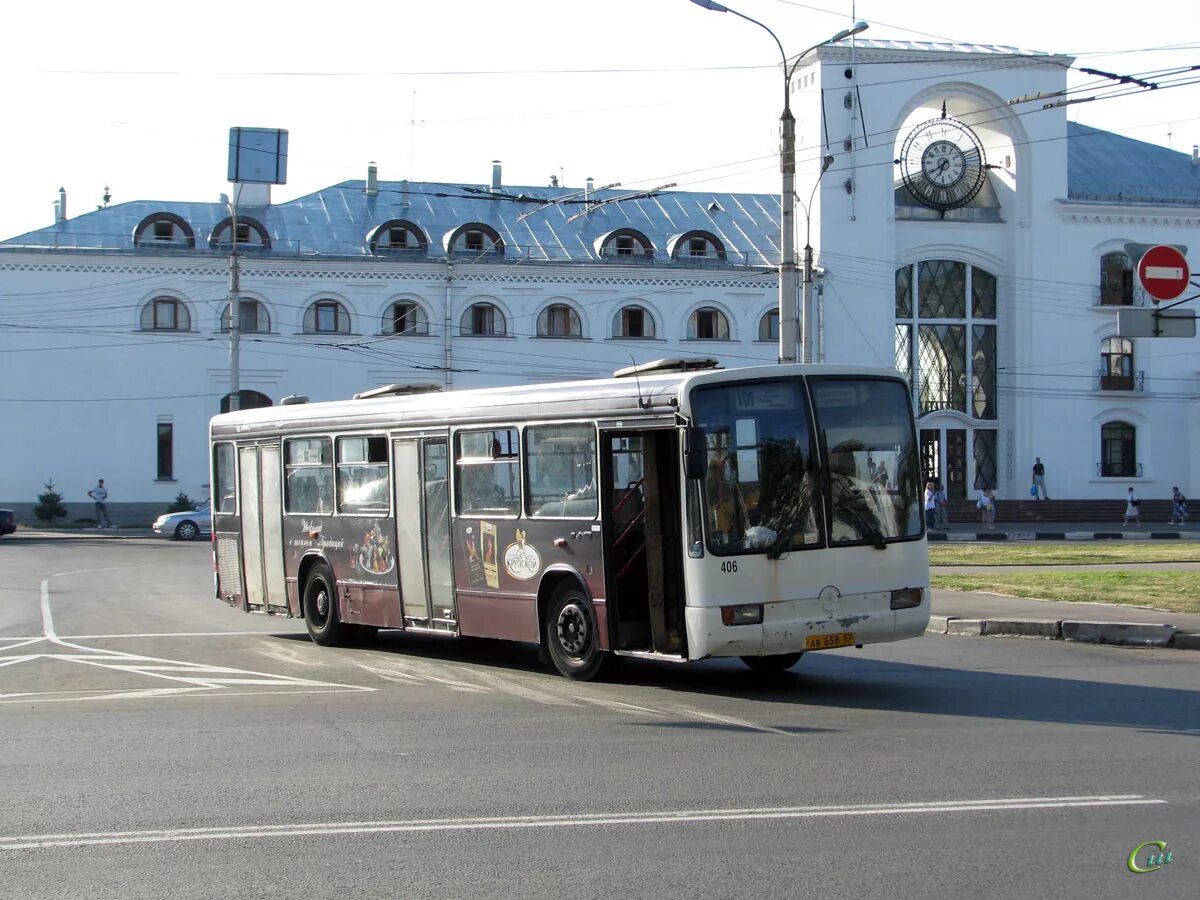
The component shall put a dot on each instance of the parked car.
(186, 526)
(8, 522)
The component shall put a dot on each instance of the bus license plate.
(829, 641)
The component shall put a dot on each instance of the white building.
(1002, 310)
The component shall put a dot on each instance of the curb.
(1117, 634)
(984, 537)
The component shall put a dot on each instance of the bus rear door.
(262, 528)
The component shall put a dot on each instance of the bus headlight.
(742, 615)
(906, 598)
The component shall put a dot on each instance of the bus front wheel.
(780, 662)
(570, 634)
(320, 607)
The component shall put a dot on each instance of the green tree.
(50, 505)
(182, 503)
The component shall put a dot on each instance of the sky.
(140, 97)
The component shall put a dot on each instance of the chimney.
(588, 187)
(372, 179)
(496, 176)
(1195, 155)
(60, 214)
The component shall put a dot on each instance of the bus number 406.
(729, 567)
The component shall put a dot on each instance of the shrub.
(182, 503)
(50, 505)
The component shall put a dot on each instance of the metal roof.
(937, 47)
(339, 220)
(1110, 168)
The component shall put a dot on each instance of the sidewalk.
(979, 614)
(1067, 531)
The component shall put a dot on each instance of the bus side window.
(308, 483)
(225, 495)
(487, 468)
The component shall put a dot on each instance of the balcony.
(1119, 469)
(1133, 382)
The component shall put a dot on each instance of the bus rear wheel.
(570, 634)
(780, 662)
(320, 607)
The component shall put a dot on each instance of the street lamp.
(787, 165)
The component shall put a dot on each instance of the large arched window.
(768, 326)
(166, 314)
(1118, 450)
(405, 318)
(1116, 364)
(559, 320)
(326, 317)
(708, 324)
(254, 318)
(1116, 280)
(633, 322)
(483, 320)
(246, 400)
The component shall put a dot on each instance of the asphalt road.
(158, 744)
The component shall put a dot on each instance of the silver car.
(186, 526)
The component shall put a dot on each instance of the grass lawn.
(1175, 591)
(1062, 553)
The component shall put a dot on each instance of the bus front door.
(423, 533)
(262, 529)
(643, 540)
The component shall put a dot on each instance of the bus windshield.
(870, 457)
(760, 489)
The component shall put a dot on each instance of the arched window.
(633, 322)
(251, 235)
(254, 318)
(558, 320)
(483, 320)
(1118, 450)
(708, 324)
(166, 314)
(398, 237)
(164, 229)
(768, 326)
(475, 239)
(405, 318)
(625, 244)
(1116, 364)
(1116, 280)
(696, 246)
(326, 317)
(247, 400)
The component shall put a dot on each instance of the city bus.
(676, 511)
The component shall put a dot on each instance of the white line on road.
(728, 720)
(47, 619)
(597, 819)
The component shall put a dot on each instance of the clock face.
(942, 164)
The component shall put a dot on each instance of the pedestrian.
(943, 515)
(100, 495)
(1132, 510)
(1039, 479)
(930, 505)
(987, 508)
(1178, 507)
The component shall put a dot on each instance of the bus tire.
(320, 607)
(570, 634)
(780, 662)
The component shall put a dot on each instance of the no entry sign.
(1163, 272)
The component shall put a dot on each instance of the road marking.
(728, 720)
(47, 618)
(579, 820)
(508, 686)
(428, 672)
(171, 634)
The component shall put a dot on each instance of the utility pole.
(235, 311)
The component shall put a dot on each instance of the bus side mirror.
(695, 452)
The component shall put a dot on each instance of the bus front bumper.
(793, 626)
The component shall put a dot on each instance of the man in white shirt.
(100, 494)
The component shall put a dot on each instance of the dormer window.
(625, 244)
(475, 239)
(696, 247)
(398, 237)
(251, 235)
(164, 230)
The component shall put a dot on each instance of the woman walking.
(1132, 511)
(987, 508)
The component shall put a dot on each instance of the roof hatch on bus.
(675, 364)
(397, 390)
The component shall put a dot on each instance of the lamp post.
(788, 326)
(806, 291)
